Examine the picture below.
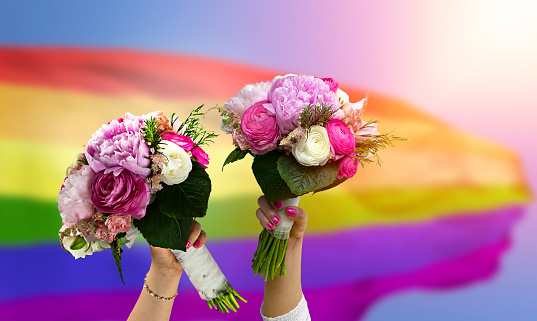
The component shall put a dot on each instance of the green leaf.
(188, 199)
(268, 177)
(78, 243)
(334, 184)
(304, 179)
(235, 155)
(162, 230)
(116, 252)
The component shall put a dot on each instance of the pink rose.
(260, 129)
(201, 156)
(348, 166)
(184, 142)
(125, 194)
(238, 139)
(118, 223)
(341, 138)
(103, 234)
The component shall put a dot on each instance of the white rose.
(85, 250)
(314, 148)
(342, 96)
(179, 165)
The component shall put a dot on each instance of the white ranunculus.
(179, 165)
(342, 96)
(314, 148)
(85, 250)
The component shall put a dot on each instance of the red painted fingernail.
(290, 211)
(197, 244)
(276, 219)
(278, 205)
(187, 244)
(270, 226)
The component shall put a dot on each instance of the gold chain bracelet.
(156, 296)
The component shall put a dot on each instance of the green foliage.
(373, 144)
(235, 155)
(316, 115)
(152, 133)
(268, 177)
(194, 129)
(188, 199)
(162, 230)
(304, 179)
(116, 252)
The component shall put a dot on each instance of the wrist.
(163, 281)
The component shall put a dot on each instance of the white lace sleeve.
(299, 313)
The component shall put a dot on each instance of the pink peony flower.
(331, 83)
(246, 97)
(184, 142)
(104, 234)
(260, 129)
(238, 139)
(201, 156)
(119, 145)
(118, 223)
(125, 194)
(341, 138)
(74, 200)
(348, 166)
(288, 96)
(364, 133)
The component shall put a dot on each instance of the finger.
(270, 210)
(202, 238)
(298, 215)
(263, 219)
(195, 231)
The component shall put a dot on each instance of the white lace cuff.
(299, 313)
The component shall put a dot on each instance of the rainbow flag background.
(438, 214)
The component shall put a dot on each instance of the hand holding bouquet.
(144, 175)
(305, 136)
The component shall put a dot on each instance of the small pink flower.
(201, 156)
(104, 234)
(260, 129)
(331, 83)
(348, 166)
(365, 132)
(184, 142)
(118, 223)
(341, 138)
(238, 139)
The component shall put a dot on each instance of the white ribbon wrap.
(281, 231)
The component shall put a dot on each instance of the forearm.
(283, 293)
(162, 282)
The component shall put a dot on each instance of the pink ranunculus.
(184, 142)
(348, 166)
(260, 129)
(201, 156)
(246, 97)
(125, 194)
(104, 234)
(238, 139)
(118, 223)
(74, 200)
(341, 138)
(289, 95)
(331, 83)
(119, 145)
(365, 132)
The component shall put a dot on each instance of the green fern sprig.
(316, 115)
(193, 128)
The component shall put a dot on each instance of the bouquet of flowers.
(144, 175)
(305, 136)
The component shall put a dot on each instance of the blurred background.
(443, 230)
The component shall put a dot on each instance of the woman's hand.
(269, 217)
(164, 261)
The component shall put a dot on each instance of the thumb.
(298, 215)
